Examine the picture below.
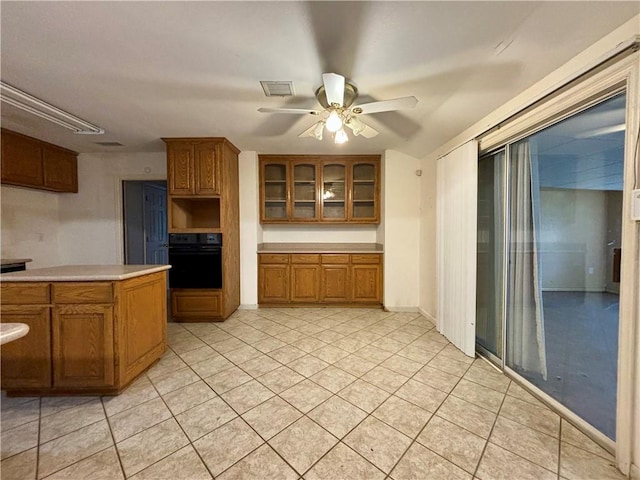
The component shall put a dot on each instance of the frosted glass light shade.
(341, 136)
(334, 122)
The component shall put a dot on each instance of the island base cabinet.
(83, 346)
(84, 338)
(142, 338)
(26, 363)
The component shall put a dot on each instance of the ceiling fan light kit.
(337, 95)
(30, 104)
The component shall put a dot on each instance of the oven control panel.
(195, 239)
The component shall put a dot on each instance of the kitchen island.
(92, 328)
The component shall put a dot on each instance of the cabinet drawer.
(372, 258)
(273, 258)
(305, 258)
(94, 292)
(334, 259)
(19, 293)
(195, 303)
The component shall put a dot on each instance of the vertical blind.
(457, 203)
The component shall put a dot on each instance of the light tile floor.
(302, 393)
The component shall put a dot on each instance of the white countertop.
(12, 331)
(14, 261)
(82, 273)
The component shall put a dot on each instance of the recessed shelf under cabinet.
(194, 213)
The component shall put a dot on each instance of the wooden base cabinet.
(193, 305)
(85, 337)
(317, 279)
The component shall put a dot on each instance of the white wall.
(30, 225)
(428, 260)
(250, 231)
(90, 229)
(572, 239)
(401, 231)
(318, 234)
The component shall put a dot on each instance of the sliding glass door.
(490, 264)
(562, 223)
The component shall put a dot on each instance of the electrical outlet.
(635, 205)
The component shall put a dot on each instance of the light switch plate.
(635, 205)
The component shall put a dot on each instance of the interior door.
(155, 223)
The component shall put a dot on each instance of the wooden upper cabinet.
(180, 172)
(29, 162)
(60, 170)
(193, 167)
(365, 194)
(334, 191)
(319, 189)
(207, 169)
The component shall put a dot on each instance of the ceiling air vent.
(277, 89)
(109, 144)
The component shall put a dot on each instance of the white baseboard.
(248, 306)
(428, 315)
(402, 309)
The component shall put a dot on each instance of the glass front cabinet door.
(328, 189)
(305, 191)
(275, 197)
(334, 192)
(364, 191)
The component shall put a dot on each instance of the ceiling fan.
(336, 95)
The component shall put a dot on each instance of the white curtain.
(525, 315)
(457, 217)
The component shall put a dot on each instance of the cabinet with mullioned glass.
(327, 189)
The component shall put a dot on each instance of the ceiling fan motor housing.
(350, 95)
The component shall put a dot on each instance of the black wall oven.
(196, 260)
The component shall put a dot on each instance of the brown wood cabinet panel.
(207, 169)
(142, 337)
(366, 258)
(305, 283)
(366, 284)
(60, 170)
(334, 286)
(194, 304)
(29, 162)
(273, 283)
(83, 354)
(305, 258)
(26, 362)
(84, 292)
(180, 172)
(21, 160)
(24, 293)
(274, 258)
(334, 258)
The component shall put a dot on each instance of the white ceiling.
(146, 70)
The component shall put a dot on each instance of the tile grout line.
(415, 439)
(113, 438)
(560, 447)
(38, 439)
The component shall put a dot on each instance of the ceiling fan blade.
(299, 111)
(334, 88)
(361, 128)
(314, 131)
(386, 105)
(369, 132)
